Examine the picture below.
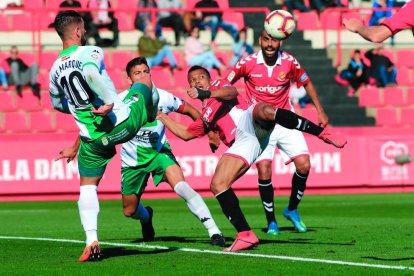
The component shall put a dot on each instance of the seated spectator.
(102, 18)
(171, 19)
(142, 19)
(356, 74)
(241, 48)
(382, 68)
(22, 74)
(195, 54)
(300, 5)
(213, 20)
(298, 95)
(3, 79)
(154, 49)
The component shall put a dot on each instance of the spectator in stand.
(195, 54)
(241, 48)
(213, 20)
(379, 15)
(142, 19)
(300, 5)
(154, 49)
(382, 68)
(401, 20)
(22, 74)
(171, 19)
(298, 95)
(3, 79)
(102, 18)
(356, 74)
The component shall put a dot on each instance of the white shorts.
(290, 143)
(250, 140)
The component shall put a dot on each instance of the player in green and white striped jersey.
(79, 85)
(150, 153)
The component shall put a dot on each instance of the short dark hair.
(357, 51)
(64, 19)
(134, 62)
(198, 67)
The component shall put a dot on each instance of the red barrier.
(366, 164)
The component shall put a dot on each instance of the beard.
(83, 40)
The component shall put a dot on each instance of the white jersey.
(151, 138)
(67, 78)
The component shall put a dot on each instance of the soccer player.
(267, 75)
(401, 20)
(150, 153)
(246, 130)
(80, 85)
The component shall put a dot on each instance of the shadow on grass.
(388, 259)
(120, 251)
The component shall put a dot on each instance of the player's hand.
(192, 93)
(323, 119)
(214, 141)
(69, 153)
(103, 110)
(161, 116)
(353, 24)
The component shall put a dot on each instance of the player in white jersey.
(150, 153)
(79, 85)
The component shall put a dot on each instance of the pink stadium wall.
(28, 170)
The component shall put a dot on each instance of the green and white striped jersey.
(68, 84)
(150, 139)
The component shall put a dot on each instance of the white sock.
(88, 205)
(141, 213)
(197, 206)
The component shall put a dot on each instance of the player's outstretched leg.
(293, 216)
(199, 209)
(266, 115)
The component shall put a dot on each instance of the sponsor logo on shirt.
(104, 141)
(269, 88)
(256, 75)
(207, 114)
(303, 77)
(230, 77)
(282, 76)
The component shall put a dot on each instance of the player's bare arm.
(224, 93)
(213, 140)
(376, 34)
(190, 111)
(177, 129)
(311, 91)
(69, 152)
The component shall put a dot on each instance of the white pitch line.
(240, 254)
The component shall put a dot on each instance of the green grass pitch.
(348, 234)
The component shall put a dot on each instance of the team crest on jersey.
(282, 76)
(95, 57)
(230, 77)
(104, 141)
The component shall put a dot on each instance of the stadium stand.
(407, 116)
(16, 122)
(387, 117)
(370, 97)
(42, 121)
(393, 96)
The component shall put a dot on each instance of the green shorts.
(134, 179)
(95, 155)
